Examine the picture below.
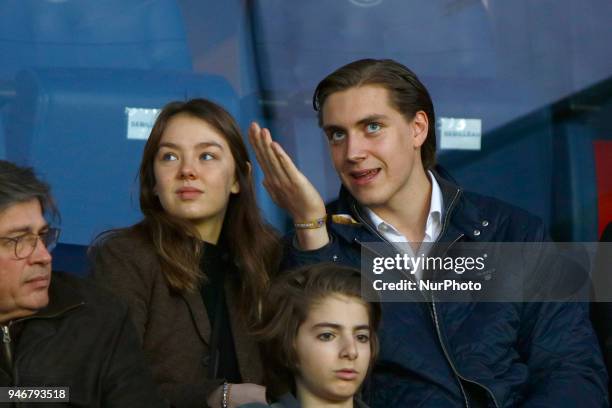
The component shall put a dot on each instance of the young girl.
(194, 270)
(318, 337)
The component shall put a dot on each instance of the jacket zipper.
(432, 310)
(6, 335)
(435, 314)
(433, 304)
(439, 335)
(6, 345)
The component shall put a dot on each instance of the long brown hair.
(288, 303)
(251, 242)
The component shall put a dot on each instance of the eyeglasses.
(26, 244)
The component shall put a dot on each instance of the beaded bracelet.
(314, 224)
(227, 388)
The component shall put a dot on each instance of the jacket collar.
(62, 298)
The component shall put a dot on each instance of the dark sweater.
(218, 268)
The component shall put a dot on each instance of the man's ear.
(420, 124)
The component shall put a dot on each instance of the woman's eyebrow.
(339, 326)
(199, 145)
(327, 325)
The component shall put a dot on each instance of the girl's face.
(333, 350)
(195, 174)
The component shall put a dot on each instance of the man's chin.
(28, 306)
(37, 301)
(368, 198)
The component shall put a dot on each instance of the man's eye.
(336, 136)
(326, 336)
(373, 127)
(169, 156)
(206, 156)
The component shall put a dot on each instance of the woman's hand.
(239, 394)
(289, 188)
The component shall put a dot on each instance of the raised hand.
(288, 187)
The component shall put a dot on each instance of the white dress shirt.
(433, 227)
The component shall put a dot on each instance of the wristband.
(314, 224)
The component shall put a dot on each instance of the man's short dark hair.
(406, 93)
(20, 184)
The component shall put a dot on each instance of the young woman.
(318, 337)
(195, 268)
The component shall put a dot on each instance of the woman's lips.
(188, 193)
(346, 374)
(363, 177)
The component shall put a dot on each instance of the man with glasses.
(61, 339)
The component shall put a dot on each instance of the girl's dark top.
(217, 265)
(290, 401)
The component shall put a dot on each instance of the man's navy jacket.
(491, 354)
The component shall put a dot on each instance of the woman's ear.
(235, 189)
(236, 185)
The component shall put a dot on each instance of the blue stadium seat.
(2, 139)
(91, 33)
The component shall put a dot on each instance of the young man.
(379, 120)
(57, 331)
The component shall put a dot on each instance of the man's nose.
(356, 147)
(41, 254)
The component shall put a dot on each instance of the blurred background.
(522, 90)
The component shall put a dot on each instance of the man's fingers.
(278, 175)
(291, 171)
(281, 176)
(256, 139)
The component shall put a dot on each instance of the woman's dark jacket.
(173, 328)
(478, 354)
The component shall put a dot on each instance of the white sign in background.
(460, 134)
(140, 122)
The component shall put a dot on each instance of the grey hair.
(20, 184)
